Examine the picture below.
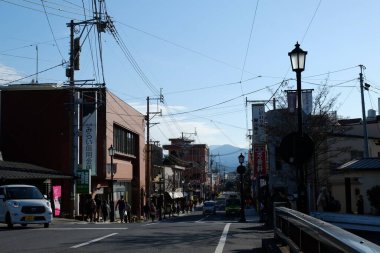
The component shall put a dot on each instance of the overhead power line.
(35, 73)
(111, 27)
(51, 29)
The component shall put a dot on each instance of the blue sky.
(207, 56)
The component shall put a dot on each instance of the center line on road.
(89, 242)
(223, 238)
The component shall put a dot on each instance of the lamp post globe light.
(297, 60)
(111, 153)
(241, 170)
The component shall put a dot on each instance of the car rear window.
(23, 193)
(233, 202)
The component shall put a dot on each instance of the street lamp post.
(183, 195)
(241, 170)
(111, 153)
(297, 59)
(160, 200)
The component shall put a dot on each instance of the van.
(24, 204)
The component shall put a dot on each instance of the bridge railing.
(303, 233)
(350, 221)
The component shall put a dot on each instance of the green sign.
(83, 181)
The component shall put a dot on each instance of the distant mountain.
(226, 156)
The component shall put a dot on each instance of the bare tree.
(321, 125)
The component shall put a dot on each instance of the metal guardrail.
(303, 233)
(350, 221)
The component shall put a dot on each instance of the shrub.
(374, 198)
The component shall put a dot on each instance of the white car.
(209, 207)
(24, 204)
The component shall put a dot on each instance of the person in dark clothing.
(90, 208)
(128, 211)
(105, 207)
(120, 205)
(152, 211)
(146, 212)
(98, 204)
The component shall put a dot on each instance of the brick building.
(36, 127)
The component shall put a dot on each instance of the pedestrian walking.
(98, 204)
(120, 205)
(152, 211)
(146, 212)
(89, 207)
(105, 210)
(128, 210)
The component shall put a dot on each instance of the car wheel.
(8, 220)
(46, 225)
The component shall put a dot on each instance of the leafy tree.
(374, 198)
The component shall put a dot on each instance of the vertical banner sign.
(292, 101)
(260, 159)
(57, 194)
(89, 132)
(307, 101)
(258, 123)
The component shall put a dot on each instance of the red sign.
(57, 194)
(260, 159)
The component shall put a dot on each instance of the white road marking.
(85, 229)
(92, 241)
(149, 224)
(223, 238)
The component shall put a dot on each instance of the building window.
(125, 141)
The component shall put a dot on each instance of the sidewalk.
(250, 216)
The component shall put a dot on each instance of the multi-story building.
(194, 157)
(38, 126)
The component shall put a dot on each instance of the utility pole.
(75, 48)
(148, 169)
(365, 134)
(74, 117)
(37, 64)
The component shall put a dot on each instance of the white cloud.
(8, 74)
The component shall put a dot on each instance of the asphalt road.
(191, 232)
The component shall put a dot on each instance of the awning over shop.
(176, 195)
(15, 170)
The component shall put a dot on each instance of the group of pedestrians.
(96, 208)
(151, 212)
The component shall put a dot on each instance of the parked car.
(209, 207)
(24, 204)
